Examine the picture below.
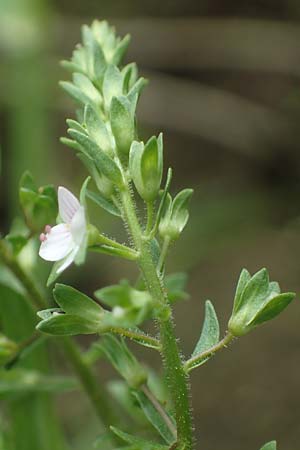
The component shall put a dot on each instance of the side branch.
(197, 359)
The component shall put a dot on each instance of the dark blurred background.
(224, 88)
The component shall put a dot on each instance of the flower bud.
(146, 167)
(257, 300)
(175, 214)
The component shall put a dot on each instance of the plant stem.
(175, 374)
(197, 359)
(137, 336)
(112, 243)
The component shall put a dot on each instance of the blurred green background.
(224, 88)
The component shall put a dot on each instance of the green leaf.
(121, 50)
(180, 213)
(87, 88)
(75, 92)
(104, 203)
(67, 325)
(136, 90)
(70, 143)
(75, 302)
(161, 208)
(122, 123)
(122, 394)
(175, 284)
(243, 280)
(76, 126)
(130, 307)
(255, 291)
(270, 446)
(130, 73)
(139, 443)
(97, 129)
(123, 360)
(274, 307)
(104, 163)
(27, 182)
(104, 185)
(99, 62)
(210, 333)
(146, 166)
(112, 84)
(154, 417)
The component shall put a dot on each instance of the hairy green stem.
(150, 341)
(197, 359)
(176, 376)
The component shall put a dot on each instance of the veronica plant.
(126, 178)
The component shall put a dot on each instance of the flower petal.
(58, 244)
(68, 260)
(78, 226)
(68, 204)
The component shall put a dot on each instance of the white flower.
(63, 242)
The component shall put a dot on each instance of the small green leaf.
(27, 182)
(180, 213)
(123, 360)
(138, 443)
(273, 308)
(99, 62)
(75, 92)
(67, 325)
(243, 280)
(122, 123)
(70, 143)
(112, 84)
(161, 208)
(115, 295)
(210, 333)
(105, 164)
(270, 446)
(104, 203)
(175, 285)
(75, 302)
(121, 50)
(255, 291)
(87, 88)
(97, 129)
(154, 417)
(146, 166)
(76, 126)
